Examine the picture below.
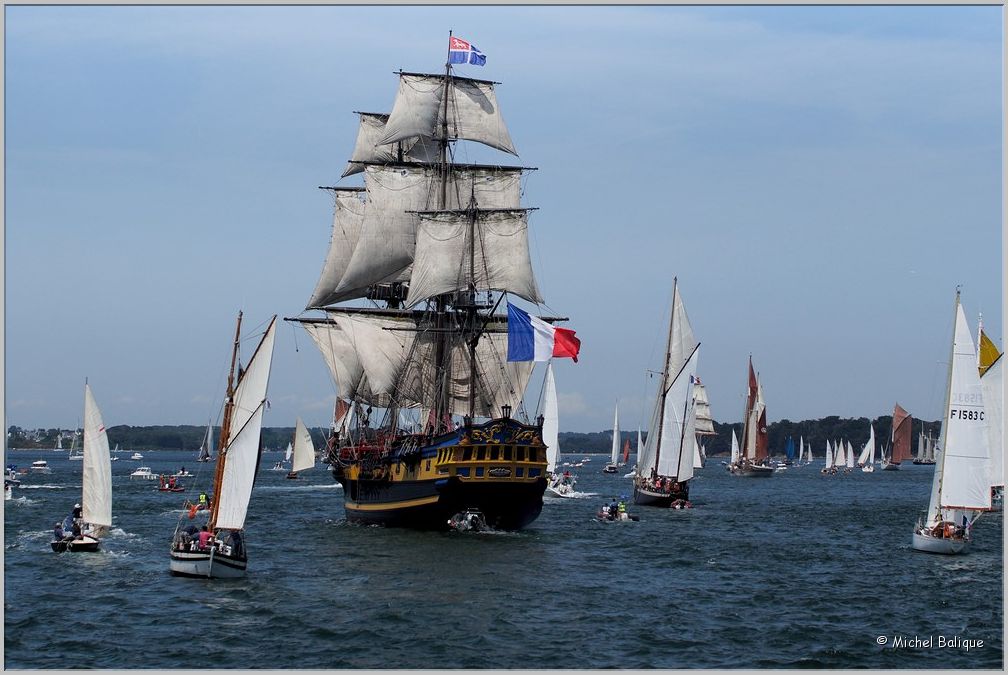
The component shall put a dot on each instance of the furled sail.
(348, 217)
(446, 258)
(367, 149)
(472, 111)
(96, 501)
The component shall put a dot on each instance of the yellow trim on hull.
(357, 506)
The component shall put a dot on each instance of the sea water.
(796, 571)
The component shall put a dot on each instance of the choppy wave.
(798, 571)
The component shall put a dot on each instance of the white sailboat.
(288, 453)
(961, 486)
(96, 485)
(204, 451)
(867, 459)
(665, 467)
(221, 553)
(849, 456)
(829, 468)
(303, 452)
(76, 452)
(560, 483)
(613, 465)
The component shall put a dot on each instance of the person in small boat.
(58, 533)
(171, 483)
(182, 471)
(76, 512)
(77, 529)
(621, 509)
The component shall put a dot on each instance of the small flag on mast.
(463, 51)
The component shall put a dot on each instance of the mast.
(940, 469)
(225, 428)
(665, 373)
(750, 395)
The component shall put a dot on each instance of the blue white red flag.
(532, 339)
(463, 51)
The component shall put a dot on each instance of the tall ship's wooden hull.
(497, 468)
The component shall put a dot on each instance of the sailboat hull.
(86, 544)
(752, 471)
(644, 497)
(497, 468)
(929, 544)
(206, 564)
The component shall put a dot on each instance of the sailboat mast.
(940, 469)
(225, 428)
(665, 374)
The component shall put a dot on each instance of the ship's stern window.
(519, 472)
(466, 454)
(494, 453)
(481, 453)
(507, 453)
(520, 452)
(462, 471)
(479, 471)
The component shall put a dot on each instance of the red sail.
(762, 441)
(901, 425)
(626, 450)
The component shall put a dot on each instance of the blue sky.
(819, 179)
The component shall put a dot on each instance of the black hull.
(644, 497)
(65, 546)
(427, 505)
(498, 468)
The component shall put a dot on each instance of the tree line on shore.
(815, 432)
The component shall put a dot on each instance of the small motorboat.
(183, 472)
(136, 455)
(83, 544)
(169, 485)
(10, 477)
(143, 473)
(40, 466)
(609, 514)
(470, 520)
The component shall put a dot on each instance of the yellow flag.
(988, 353)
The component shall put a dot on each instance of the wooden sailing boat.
(961, 485)
(434, 246)
(96, 484)
(665, 467)
(902, 422)
(237, 461)
(613, 465)
(303, 453)
(755, 444)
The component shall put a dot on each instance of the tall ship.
(421, 259)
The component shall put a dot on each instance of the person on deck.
(77, 512)
(77, 529)
(205, 536)
(58, 532)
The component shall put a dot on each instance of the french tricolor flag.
(532, 339)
